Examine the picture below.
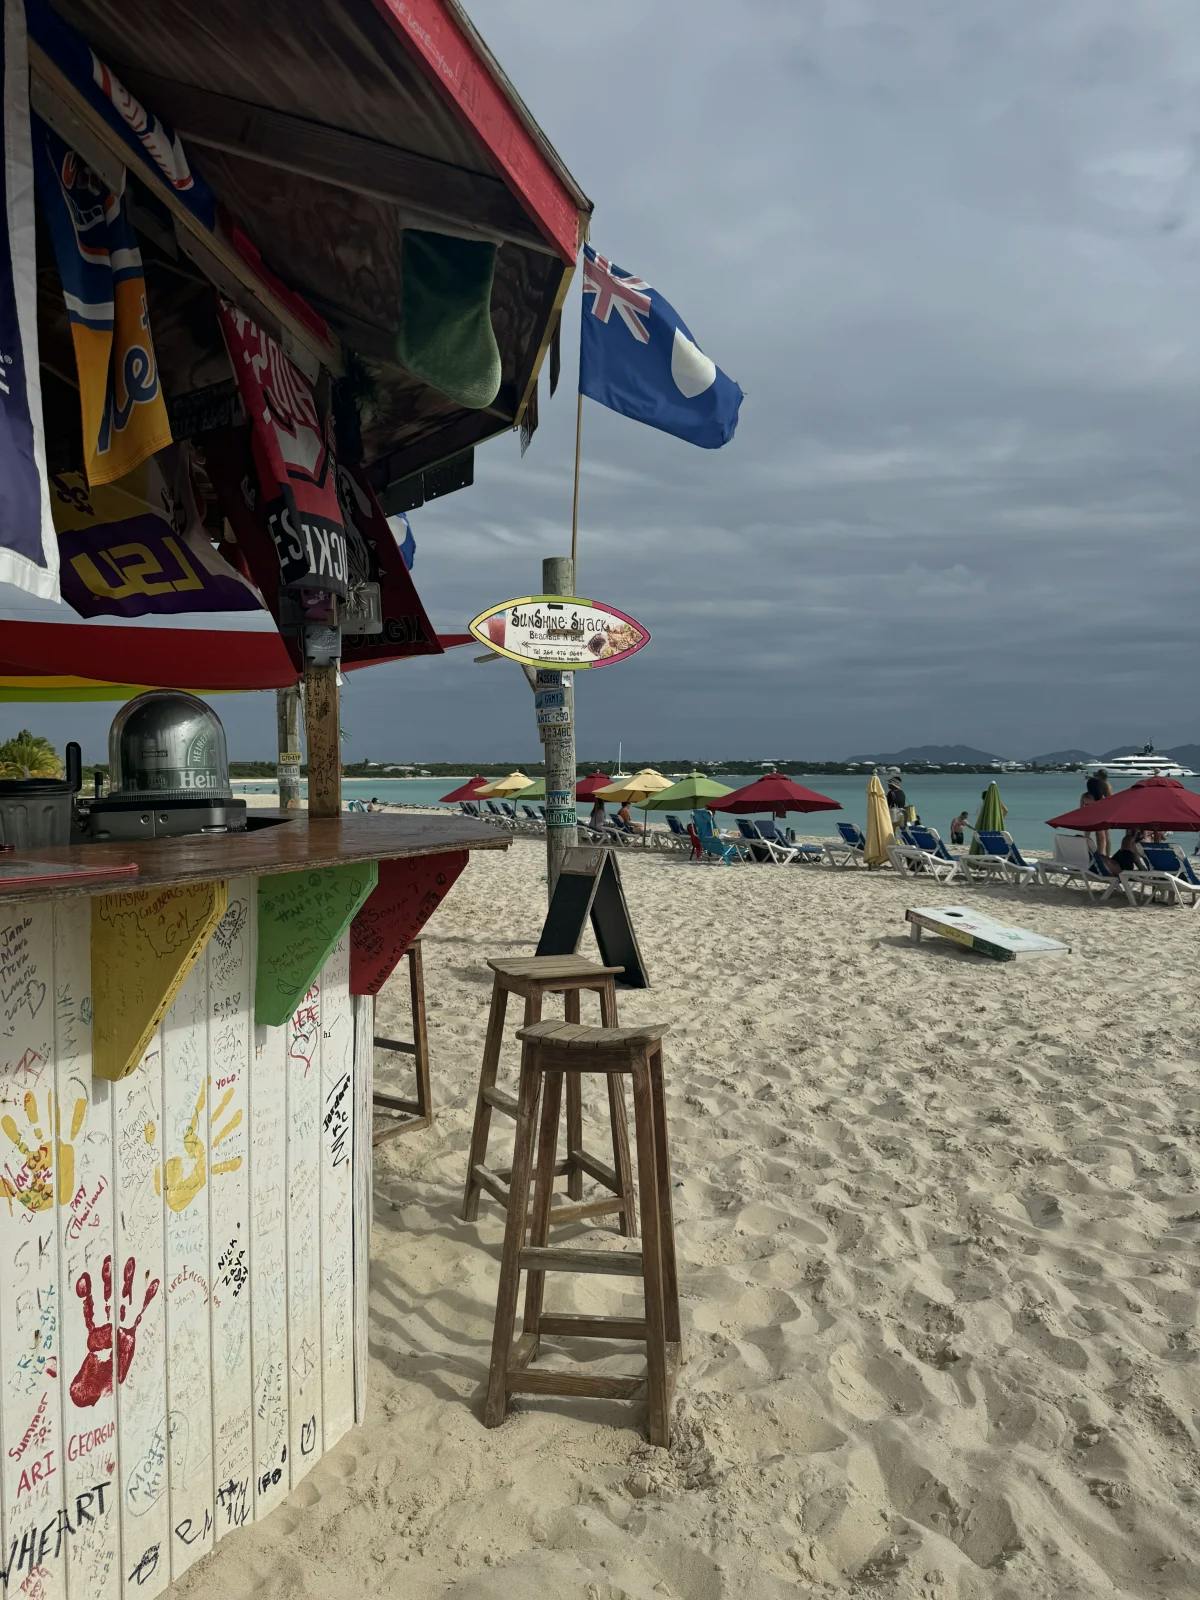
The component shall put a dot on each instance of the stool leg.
(574, 1108)
(666, 1208)
(618, 1121)
(652, 1273)
(510, 1256)
(416, 990)
(483, 1111)
(543, 1193)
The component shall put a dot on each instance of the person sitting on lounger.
(1130, 856)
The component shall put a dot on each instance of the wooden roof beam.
(465, 202)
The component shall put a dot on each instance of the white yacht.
(1149, 764)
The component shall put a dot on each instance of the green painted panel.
(301, 916)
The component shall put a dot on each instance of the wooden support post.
(287, 718)
(558, 577)
(323, 735)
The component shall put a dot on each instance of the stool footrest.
(394, 1102)
(525, 1381)
(580, 1210)
(404, 1046)
(499, 1101)
(553, 1258)
(573, 1326)
(595, 1169)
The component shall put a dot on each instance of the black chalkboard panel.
(590, 885)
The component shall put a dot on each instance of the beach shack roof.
(328, 130)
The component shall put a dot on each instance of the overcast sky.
(951, 252)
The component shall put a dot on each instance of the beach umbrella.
(777, 794)
(879, 824)
(465, 791)
(990, 818)
(513, 784)
(587, 787)
(689, 792)
(535, 791)
(635, 789)
(1163, 805)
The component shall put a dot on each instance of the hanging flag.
(155, 147)
(28, 548)
(293, 458)
(137, 548)
(637, 356)
(120, 396)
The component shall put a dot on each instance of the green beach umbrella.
(691, 791)
(535, 791)
(990, 818)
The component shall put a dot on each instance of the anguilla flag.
(28, 548)
(120, 396)
(637, 356)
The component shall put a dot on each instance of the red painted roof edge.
(443, 38)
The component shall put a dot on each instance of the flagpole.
(575, 503)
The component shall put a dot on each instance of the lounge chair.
(922, 850)
(763, 849)
(1074, 862)
(1001, 860)
(711, 843)
(1168, 878)
(852, 849)
(535, 822)
(810, 853)
(494, 814)
(469, 809)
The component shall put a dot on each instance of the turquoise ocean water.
(1030, 798)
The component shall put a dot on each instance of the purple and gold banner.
(132, 549)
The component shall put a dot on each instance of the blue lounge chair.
(469, 809)
(804, 852)
(719, 849)
(532, 818)
(921, 850)
(679, 831)
(762, 849)
(1001, 859)
(1168, 878)
(851, 850)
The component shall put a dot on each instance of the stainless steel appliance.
(170, 772)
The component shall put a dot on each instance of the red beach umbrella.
(586, 787)
(1162, 804)
(776, 793)
(465, 791)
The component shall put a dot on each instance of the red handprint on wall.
(95, 1377)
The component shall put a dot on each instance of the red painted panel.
(454, 63)
(406, 896)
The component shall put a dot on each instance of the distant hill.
(938, 755)
(1187, 755)
(1061, 758)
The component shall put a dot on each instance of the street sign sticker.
(560, 631)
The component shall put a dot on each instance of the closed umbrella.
(990, 818)
(513, 784)
(465, 791)
(1163, 805)
(879, 824)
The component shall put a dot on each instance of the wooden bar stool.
(532, 978)
(395, 1113)
(551, 1051)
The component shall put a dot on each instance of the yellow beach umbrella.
(636, 789)
(879, 824)
(513, 784)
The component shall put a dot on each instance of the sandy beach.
(937, 1221)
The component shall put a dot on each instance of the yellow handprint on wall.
(43, 1152)
(184, 1176)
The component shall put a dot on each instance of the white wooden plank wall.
(182, 1260)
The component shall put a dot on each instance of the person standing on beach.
(958, 828)
(1099, 788)
(598, 817)
(897, 801)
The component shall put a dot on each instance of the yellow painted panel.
(144, 944)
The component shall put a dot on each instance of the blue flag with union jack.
(637, 356)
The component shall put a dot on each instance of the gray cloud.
(951, 255)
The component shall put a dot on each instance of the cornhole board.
(974, 931)
(589, 884)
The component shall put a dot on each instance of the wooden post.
(287, 718)
(323, 734)
(558, 577)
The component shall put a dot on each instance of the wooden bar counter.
(185, 1179)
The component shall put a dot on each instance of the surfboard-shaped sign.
(562, 631)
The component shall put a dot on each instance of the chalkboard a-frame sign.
(590, 884)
